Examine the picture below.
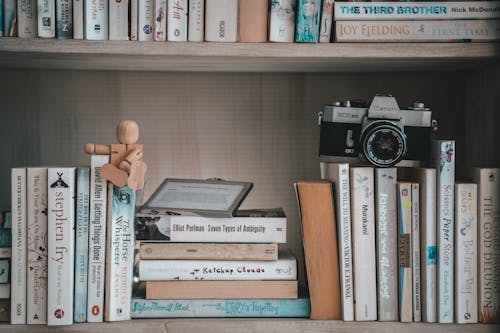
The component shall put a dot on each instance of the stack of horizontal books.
(192, 265)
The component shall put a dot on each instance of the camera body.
(381, 134)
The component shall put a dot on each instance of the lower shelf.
(252, 325)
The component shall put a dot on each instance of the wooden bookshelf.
(243, 57)
(252, 325)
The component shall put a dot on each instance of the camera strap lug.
(320, 117)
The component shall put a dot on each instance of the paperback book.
(221, 20)
(118, 19)
(405, 252)
(196, 21)
(26, 18)
(96, 19)
(64, 19)
(282, 21)
(308, 18)
(46, 19)
(177, 20)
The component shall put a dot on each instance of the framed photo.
(213, 197)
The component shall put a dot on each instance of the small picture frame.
(212, 197)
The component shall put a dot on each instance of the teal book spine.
(308, 18)
(81, 244)
(1, 18)
(292, 308)
(9, 18)
(5, 237)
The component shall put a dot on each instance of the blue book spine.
(1, 18)
(9, 16)
(5, 238)
(308, 18)
(82, 244)
(293, 308)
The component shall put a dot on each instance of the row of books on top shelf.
(72, 255)
(194, 266)
(303, 21)
(413, 243)
(5, 253)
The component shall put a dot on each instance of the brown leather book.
(320, 248)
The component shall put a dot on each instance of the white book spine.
(118, 19)
(282, 21)
(146, 20)
(325, 27)
(36, 293)
(363, 240)
(61, 245)
(119, 253)
(46, 19)
(466, 309)
(78, 26)
(443, 155)
(417, 31)
(428, 248)
(18, 271)
(177, 20)
(429, 10)
(64, 19)
(97, 239)
(338, 173)
(196, 21)
(282, 269)
(405, 252)
(387, 243)
(134, 16)
(488, 180)
(415, 248)
(96, 19)
(160, 34)
(27, 18)
(221, 20)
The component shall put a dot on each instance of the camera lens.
(383, 143)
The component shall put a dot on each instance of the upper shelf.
(243, 57)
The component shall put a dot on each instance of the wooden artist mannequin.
(126, 166)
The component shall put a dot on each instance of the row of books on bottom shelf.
(413, 243)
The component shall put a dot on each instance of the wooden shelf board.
(252, 325)
(243, 57)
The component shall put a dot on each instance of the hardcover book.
(18, 271)
(160, 20)
(443, 158)
(282, 21)
(221, 289)
(208, 251)
(417, 31)
(81, 243)
(196, 21)
(27, 18)
(146, 20)
(119, 252)
(317, 215)
(252, 21)
(97, 239)
(387, 243)
(78, 13)
(308, 17)
(177, 21)
(248, 226)
(405, 252)
(46, 19)
(61, 245)
(417, 10)
(466, 287)
(221, 20)
(118, 19)
(285, 268)
(96, 19)
(36, 293)
(325, 28)
(258, 308)
(488, 181)
(363, 243)
(338, 174)
(426, 178)
(64, 19)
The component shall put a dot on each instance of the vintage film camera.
(382, 134)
